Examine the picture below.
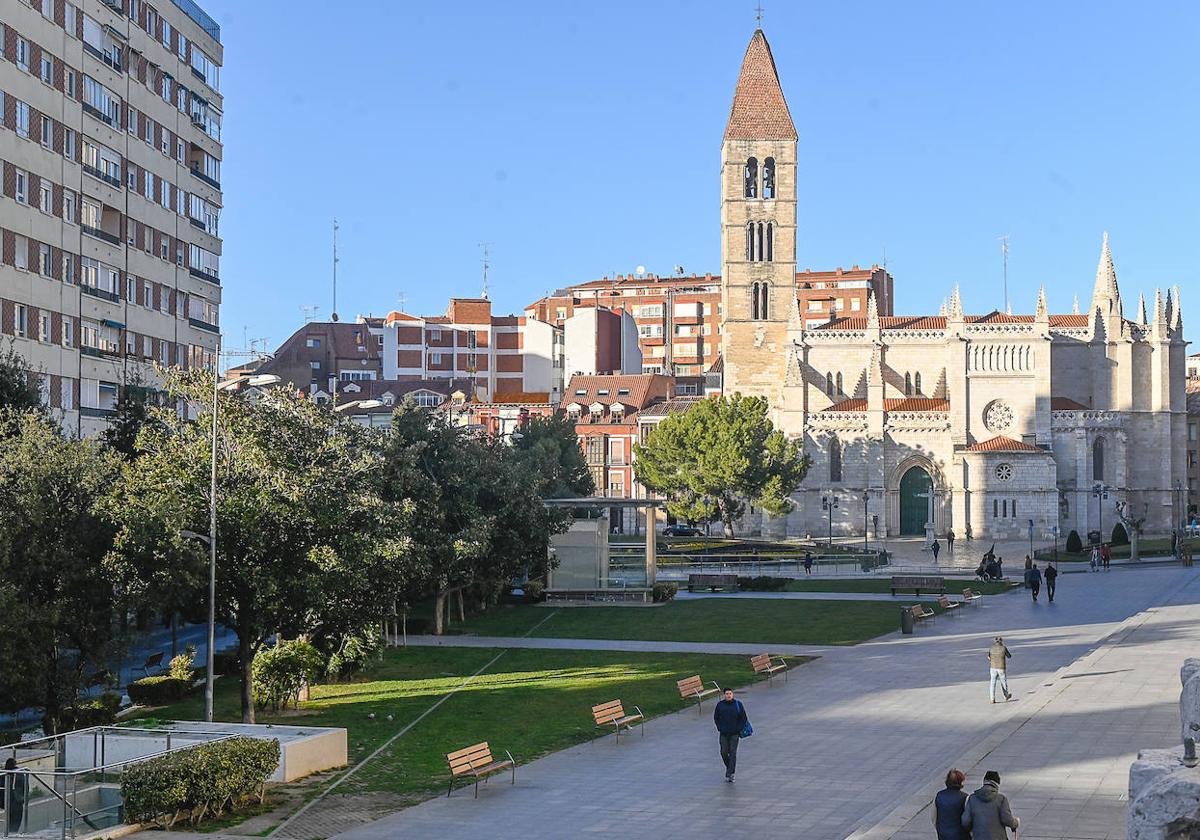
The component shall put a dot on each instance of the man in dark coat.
(730, 718)
(1051, 578)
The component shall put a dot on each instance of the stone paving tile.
(860, 734)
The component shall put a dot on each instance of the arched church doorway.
(915, 484)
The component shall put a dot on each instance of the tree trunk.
(726, 520)
(462, 615)
(246, 656)
(439, 602)
(1133, 544)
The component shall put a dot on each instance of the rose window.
(1004, 472)
(998, 416)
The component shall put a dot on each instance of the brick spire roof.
(759, 111)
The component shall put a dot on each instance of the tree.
(17, 390)
(723, 452)
(549, 447)
(132, 413)
(56, 601)
(306, 545)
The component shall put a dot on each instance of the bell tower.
(758, 230)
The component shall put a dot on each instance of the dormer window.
(622, 392)
(603, 392)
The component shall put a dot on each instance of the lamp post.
(1031, 539)
(1054, 531)
(829, 503)
(1100, 491)
(866, 496)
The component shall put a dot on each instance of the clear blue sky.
(583, 139)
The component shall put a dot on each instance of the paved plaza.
(856, 743)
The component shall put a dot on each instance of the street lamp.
(866, 496)
(1054, 531)
(1100, 491)
(829, 503)
(258, 381)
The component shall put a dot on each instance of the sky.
(580, 140)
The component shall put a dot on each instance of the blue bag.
(747, 730)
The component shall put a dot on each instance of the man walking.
(1105, 554)
(1033, 579)
(1051, 577)
(998, 657)
(950, 540)
(987, 814)
(730, 718)
(935, 547)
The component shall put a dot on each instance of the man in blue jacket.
(730, 718)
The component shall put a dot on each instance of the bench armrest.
(717, 687)
(639, 711)
(510, 758)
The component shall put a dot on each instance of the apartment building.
(109, 220)
(679, 319)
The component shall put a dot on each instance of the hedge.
(762, 583)
(99, 711)
(158, 691)
(664, 591)
(205, 780)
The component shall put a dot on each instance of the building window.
(312, 342)
(835, 459)
(23, 54)
(917, 382)
(44, 266)
(829, 384)
(750, 177)
(47, 69)
(769, 178)
(68, 144)
(1014, 508)
(21, 321)
(770, 242)
(46, 197)
(908, 384)
(68, 331)
(839, 383)
(1098, 460)
(758, 249)
(21, 257)
(22, 119)
(21, 192)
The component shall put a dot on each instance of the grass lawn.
(1146, 548)
(530, 702)
(884, 585)
(763, 621)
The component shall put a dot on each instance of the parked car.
(679, 530)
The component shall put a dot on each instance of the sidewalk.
(863, 730)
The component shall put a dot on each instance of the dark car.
(678, 530)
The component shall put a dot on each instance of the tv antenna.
(1004, 255)
(335, 262)
(484, 246)
(310, 312)
(402, 299)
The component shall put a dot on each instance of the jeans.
(729, 745)
(1050, 588)
(999, 675)
(1036, 587)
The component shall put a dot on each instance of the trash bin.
(906, 621)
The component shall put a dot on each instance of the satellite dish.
(641, 269)
(679, 270)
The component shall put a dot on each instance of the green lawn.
(953, 587)
(530, 702)
(1146, 548)
(763, 621)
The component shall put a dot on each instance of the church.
(988, 424)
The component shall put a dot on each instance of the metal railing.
(677, 568)
(70, 784)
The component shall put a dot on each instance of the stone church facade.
(993, 423)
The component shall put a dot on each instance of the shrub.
(99, 711)
(534, 591)
(762, 583)
(182, 664)
(1074, 544)
(1119, 535)
(280, 673)
(204, 780)
(157, 691)
(664, 592)
(354, 653)
(226, 662)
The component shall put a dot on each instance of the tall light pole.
(829, 503)
(1100, 491)
(866, 496)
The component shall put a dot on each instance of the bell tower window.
(768, 190)
(750, 178)
(770, 242)
(759, 301)
(750, 242)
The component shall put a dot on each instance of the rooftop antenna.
(484, 246)
(402, 299)
(758, 10)
(335, 262)
(310, 312)
(885, 258)
(1004, 252)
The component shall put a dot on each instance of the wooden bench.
(477, 761)
(970, 597)
(713, 582)
(947, 605)
(915, 583)
(763, 665)
(154, 661)
(920, 613)
(613, 714)
(694, 687)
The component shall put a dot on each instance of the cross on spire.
(758, 10)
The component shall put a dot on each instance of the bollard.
(906, 621)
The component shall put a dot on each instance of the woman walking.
(948, 808)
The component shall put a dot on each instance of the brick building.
(111, 154)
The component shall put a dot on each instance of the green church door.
(914, 509)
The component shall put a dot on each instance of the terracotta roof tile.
(675, 405)
(521, 398)
(1068, 320)
(916, 404)
(1066, 404)
(1000, 443)
(759, 110)
(849, 405)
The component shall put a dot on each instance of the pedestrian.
(1033, 579)
(14, 799)
(999, 568)
(1105, 554)
(987, 814)
(935, 547)
(1051, 578)
(1095, 561)
(730, 718)
(948, 808)
(998, 657)
(950, 540)
(807, 563)
(969, 535)
(1028, 566)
